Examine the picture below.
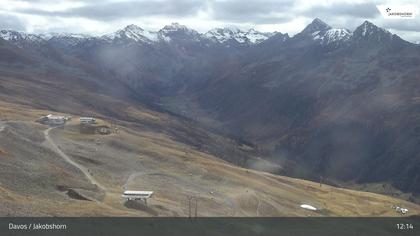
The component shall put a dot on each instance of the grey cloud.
(402, 25)
(358, 10)
(107, 11)
(251, 11)
(11, 22)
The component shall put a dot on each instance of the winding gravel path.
(50, 143)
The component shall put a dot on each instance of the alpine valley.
(224, 115)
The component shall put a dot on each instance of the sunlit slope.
(35, 180)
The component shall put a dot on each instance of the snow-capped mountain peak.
(370, 32)
(368, 28)
(132, 32)
(174, 27)
(332, 36)
(48, 36)
(256, 36)
(316, 25)
(10, 35)
(223, 35)
(321, 32)
(20, 38)
(176, 31)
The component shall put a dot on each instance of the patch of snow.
(48, 36)
(331, 36)
(256, 37)
(176, 30)
(334, 35)
(316, 35)
(308, 207)
(165, 38)
(369, 29)
(223, 35)
(18, 37)
(6, 35)
(364, 29)
(174, 27)
(152, 36)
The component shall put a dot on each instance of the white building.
(87, 120)
(137, 195)
(53, 120)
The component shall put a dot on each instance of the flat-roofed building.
(87, 120)
(53, 119)
(137, 195)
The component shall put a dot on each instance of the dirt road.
(50, 143)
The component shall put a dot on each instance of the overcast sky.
(286, 16)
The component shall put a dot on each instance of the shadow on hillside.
(141, 207)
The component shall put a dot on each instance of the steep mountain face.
(152, 63)
(315, 26)
(323, 34)
(370, 32)
(35, 83)
(325, 102)
(337, 108)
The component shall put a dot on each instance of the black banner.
(211, 226)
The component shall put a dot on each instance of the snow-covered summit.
(332, 36)
(175, 27)
(21, 39)
(223, 35)
(15, 36)
(132, 32)
(178, 32)
(48, 36)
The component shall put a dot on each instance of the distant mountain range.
(230, 35)
(137, 34)
(326, 102)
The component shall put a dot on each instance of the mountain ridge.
(317, 28)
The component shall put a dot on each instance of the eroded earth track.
(50, 143)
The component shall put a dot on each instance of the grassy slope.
(154, 161)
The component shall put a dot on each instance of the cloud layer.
(112, 10)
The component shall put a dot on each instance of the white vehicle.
(401, 210)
